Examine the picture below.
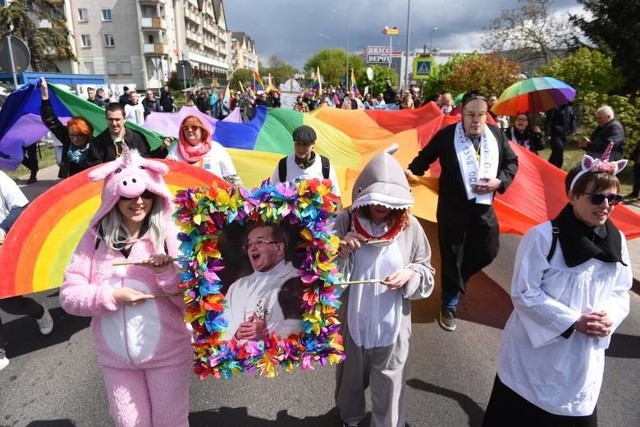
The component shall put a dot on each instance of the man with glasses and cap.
(252, 309)
(476, 161)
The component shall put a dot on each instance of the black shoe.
(447, 320)
(32, 179)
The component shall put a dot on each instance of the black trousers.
(19, 306)
(557, 144)
(636, 178)
(30, 158)
(508, 408)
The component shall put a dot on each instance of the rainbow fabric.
(317, 82)
(257, 81)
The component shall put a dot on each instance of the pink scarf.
(193, 153)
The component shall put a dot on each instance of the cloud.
(296, 29)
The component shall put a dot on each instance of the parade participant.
(196, 146)
(167, 102)
(570, 291)
(559, 123)
(303, 164)
(134, 110)
(12, 203)
(150, 103)
(377, 316)
(476, 161)
(522, 133)
(137, 309)
(609, 130)
(252, 308)
(75, 136)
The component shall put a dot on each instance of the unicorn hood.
(130, 176)
(382, 182)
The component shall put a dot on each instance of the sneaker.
(447, 319)
(4, 362)
(45, 323)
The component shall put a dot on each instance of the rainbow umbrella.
(533, 95)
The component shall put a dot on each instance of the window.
(112, 67)
(85, 40)
(106, 15)
(89, 68)
(83, 15)
(126, 67)
(109, 41)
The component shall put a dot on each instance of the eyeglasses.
(598, 198)
(147, 195)
(190, 128)
(258, 242)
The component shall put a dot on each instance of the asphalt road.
(55, 380)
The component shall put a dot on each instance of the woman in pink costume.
(140, 336)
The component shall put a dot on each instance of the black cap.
(304, 133)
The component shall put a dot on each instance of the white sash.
(468, 161)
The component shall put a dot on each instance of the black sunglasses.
(147, 195)
(598, 198)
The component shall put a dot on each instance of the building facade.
(243, 51)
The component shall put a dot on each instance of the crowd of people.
(569, 286)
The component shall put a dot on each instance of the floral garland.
(202, 214)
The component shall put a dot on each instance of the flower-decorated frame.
(203, 214)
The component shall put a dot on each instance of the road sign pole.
(13, 65)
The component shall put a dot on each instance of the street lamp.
(406, 54)
(390, 31)
(431, 40)
(347, 18)
(324, 36)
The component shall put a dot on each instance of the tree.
(490, 74)
(586, 70)
(241, 78)
(332, 63)
(613, 25)
(379, 83)
(529, 32)
(280, 71)
(47, 45)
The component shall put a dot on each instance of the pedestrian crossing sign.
(422, 67)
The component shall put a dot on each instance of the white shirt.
(134, 113)
(12, 196)
(295, 172)
(254, 294)
(562, 376)
(217, 160)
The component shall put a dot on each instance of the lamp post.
(390, 31)
(431, 40)
(324, 36)
(406, 54)
(347, 18)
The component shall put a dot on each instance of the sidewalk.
(500, 270)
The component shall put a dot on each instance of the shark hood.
(382, 182)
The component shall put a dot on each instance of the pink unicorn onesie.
(141, 339)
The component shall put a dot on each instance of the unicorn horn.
(607, 152)
(126, 154)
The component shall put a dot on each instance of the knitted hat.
(304, 134)
(129, 176)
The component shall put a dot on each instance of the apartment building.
(243, 52)
(142, 42)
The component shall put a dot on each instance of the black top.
(601, 136)
(452, 193)
(103, 148)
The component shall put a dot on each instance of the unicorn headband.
(603, 164)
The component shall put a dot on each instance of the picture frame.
(212, 220)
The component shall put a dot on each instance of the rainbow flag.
(349, 138)
(354, 84)
(258, 84)
(317, 82)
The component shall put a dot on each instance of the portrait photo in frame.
(214, 224)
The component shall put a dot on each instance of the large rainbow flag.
(348, 137)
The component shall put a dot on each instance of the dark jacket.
(612, 131)
(151, 106)
(452, 193)
(527, 137)
(560, 121)
(51, 121)
(166, 102)
(103, 148)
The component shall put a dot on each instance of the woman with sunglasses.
(570, 293)
(124, 277)
(75, 136)
(197, 147)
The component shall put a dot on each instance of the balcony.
(156, 23)
(153, 49)
(151, 1)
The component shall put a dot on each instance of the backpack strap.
(282, 169)
(325, 166)
(554, 240)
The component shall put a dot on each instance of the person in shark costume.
(381, 242)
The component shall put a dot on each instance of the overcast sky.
(296, 29)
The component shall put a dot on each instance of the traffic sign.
(422, 67)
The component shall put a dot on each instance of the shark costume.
(143, 349)
(376, 318)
